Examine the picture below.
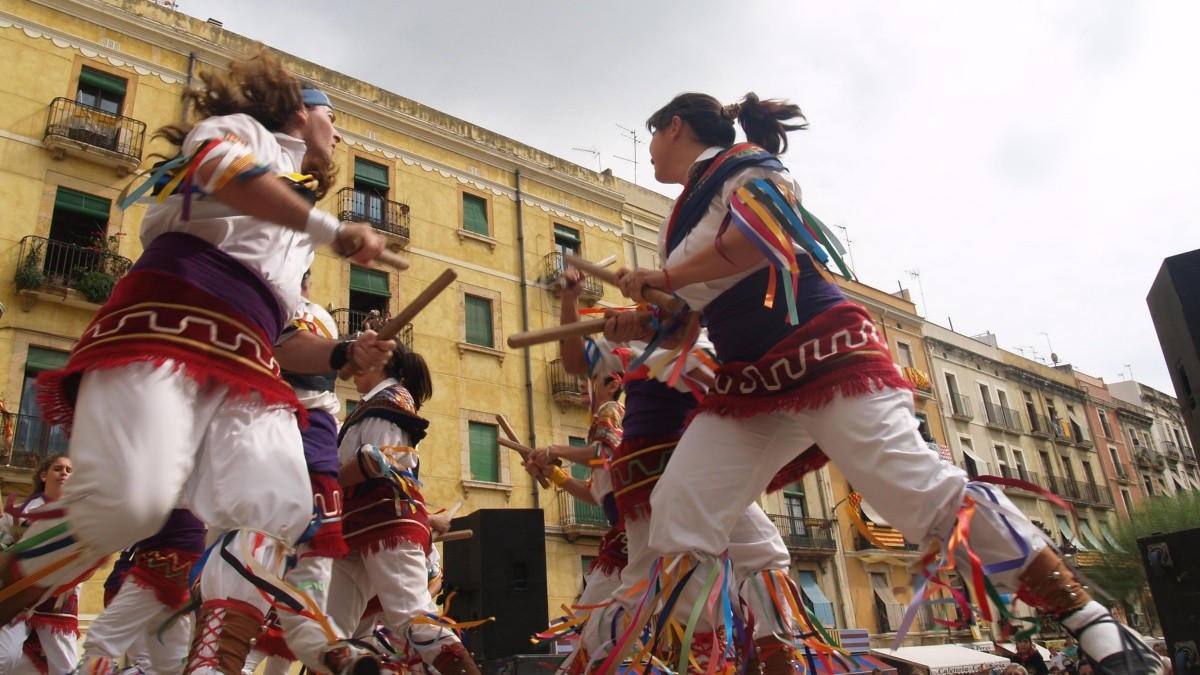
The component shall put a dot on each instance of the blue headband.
(314, 97)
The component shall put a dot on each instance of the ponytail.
(765, 122)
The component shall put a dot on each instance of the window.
(33, 438)
(1019, 465)
(566, 240)
(369, 294)
(485, 453)
(1035, 424)
(923, 428)
(475, 214)
(1104, 422)
(479, 321)
(100, 90)
(975, 466)
(585, 563)
(1128, 499)
(904, 354)
(1116, 460)
(793, 506)
(370, 191)
(1002, 460)
(815, 600)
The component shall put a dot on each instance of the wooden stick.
(454, 535)
(660, 298)
(397, 323)
(506, 428)
(384, 257)
(523, 451)
(553, 333)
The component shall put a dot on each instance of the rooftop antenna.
(1053, 356)
(1130, 369)
(849, 249)
(916, 274)
(632, 135)
(595, 153)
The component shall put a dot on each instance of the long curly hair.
(258, 86)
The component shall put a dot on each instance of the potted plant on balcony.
(95, 280)
(29, 275)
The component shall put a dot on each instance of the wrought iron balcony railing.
(77, 129)
(1039, 425)
(580, 516)
(960, 406)
(26, 439)
(1000, 416)
(593, 288)
(806, 533)
(92, 271)
(564, 387)
(351, 322)
(360, 206)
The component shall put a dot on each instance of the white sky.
(1033, 161)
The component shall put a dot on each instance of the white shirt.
(310, 312)
(378, 432)
(278, 255)
(704, 233)
(610, 362)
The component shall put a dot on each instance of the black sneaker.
(1137, 658)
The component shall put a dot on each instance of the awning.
(1011, 648)
(980, 464)
(895, 608)
(1089, 535)
(821, 605)
(1108, 537)
(872, 514)
(1064, 526)
(941, 659)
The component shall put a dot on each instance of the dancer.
(152, 590)
(806, 368)
(44, 639)
(186, 341)
(292, 636)
(386, 524)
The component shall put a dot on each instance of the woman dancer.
(802, 368)
(44, 639)
(186, 342)
(386, 524)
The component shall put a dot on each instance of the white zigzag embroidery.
(851, 339)
(152, 324)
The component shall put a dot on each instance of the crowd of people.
(765, 374)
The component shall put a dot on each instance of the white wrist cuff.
(322, 226)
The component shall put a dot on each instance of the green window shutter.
(369, 281)
(103, 81)
(372, 174)
(475, 214)
(566, 235)
(479, 321)
(82, 203)
(579, 471)
(485, 454)
(39, 359)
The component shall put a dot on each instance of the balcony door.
(78, 235)
(585, 513)
(793, 504)
(370, 191)
(33, 439)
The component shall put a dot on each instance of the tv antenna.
(1053, 356)
(1129, 367)
(849, 249)
(632, 135)
(916, 274)
(595, 153)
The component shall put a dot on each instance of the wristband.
(559, 477)
(340, 355)
(322, 226)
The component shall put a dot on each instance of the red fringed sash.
(636, 466)
(614, 552)
(165, 572)
(155, 317)
(377, 519)
(327, 497)
(837, 352)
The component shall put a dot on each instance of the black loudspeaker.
(1172, 563)
(524, 664)
(500, 572)
(1174, 302)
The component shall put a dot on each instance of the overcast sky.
(1032, 162)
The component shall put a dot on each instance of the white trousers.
(134, 616)
(722, 465)
(754, 545)
(143, 436)
(61, 650)
(305, 637)
(400, 577)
